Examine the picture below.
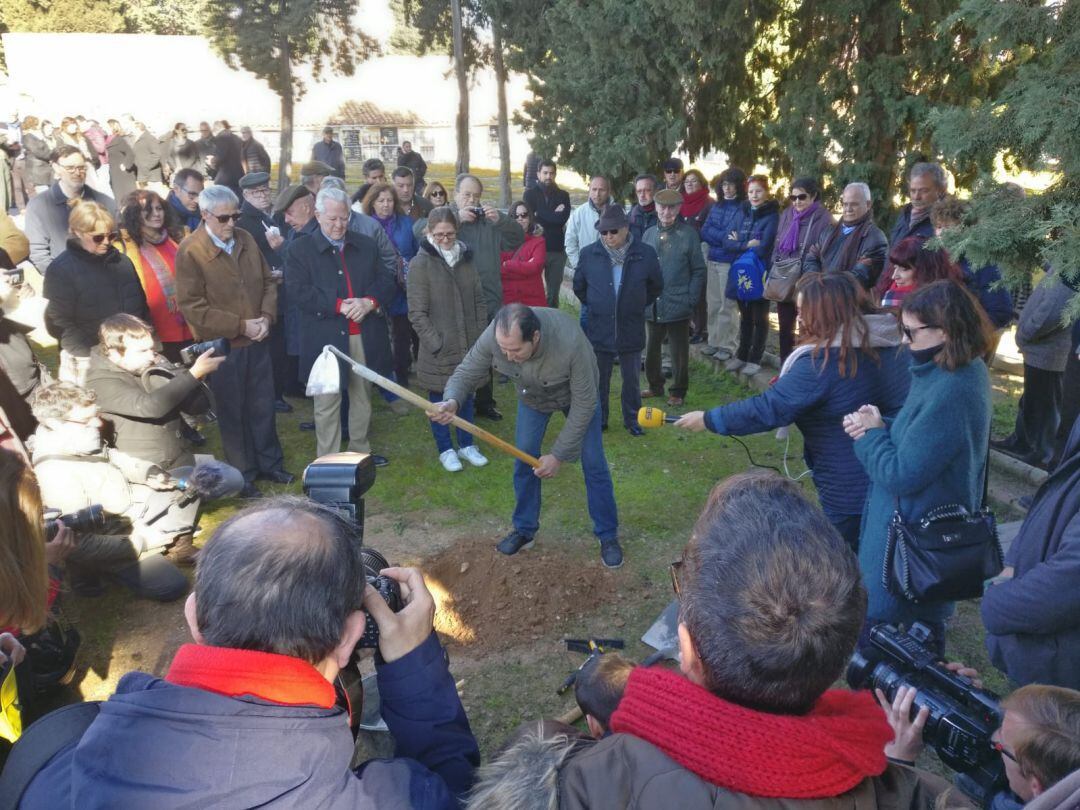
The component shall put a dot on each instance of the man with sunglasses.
(47, 213)
(225, 290)
(673, 174)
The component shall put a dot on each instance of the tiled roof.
(364, 113)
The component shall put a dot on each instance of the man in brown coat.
(225, 290)
(771, 602)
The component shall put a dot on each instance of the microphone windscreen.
(650, 417)
(214, 479)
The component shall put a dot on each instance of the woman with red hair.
(913, 266)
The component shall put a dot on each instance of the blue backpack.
(748, 275)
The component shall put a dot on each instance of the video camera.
(962, 716)
(87, 520)
(189, 354)
(339, 481)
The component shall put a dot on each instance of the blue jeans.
(442, 432)
(599, 492)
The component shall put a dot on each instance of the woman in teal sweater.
(934, 452)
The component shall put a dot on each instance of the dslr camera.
(962, 716)
(339, 481)
(86, 521)
(189, 354)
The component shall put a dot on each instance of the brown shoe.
(675, 402)
(648, 393)
(182, 551)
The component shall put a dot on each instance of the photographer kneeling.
(145, 514)
(1039, 738)
(247, 716)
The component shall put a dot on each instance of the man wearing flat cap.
(312, 174)
(617, 277)
(255, 219)
(329, 152)
(682, 265)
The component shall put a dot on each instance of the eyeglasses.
(996, 745)
(444, 237)
(674, 570)
(260, 191)
(79, 169)
(609, 233)
(223, 218)
(98, 238)
(799, 197)
(909, 331)
(191, 193)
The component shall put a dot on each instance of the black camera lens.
(388, 589)
(85, 521)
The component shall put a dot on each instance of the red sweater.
(523, 273)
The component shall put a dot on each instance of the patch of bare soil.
(487, 601)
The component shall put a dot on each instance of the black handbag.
(945, 556)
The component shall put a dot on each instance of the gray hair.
(213, 196)
(461, 178)
(865, 189)
(332, 182)
(443, 213)
(936, 172)
(332, 194)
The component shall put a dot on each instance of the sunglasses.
(909, 331)
(223, 218)
(521, 216)
(996, 745)
(671, 171)
(799, 197)
(98, 238)
(609, 233)
(438, 194)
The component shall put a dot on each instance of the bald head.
(280, 577)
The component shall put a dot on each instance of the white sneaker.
(450, 461)
(472, 455)
(750, 369)
(734, 364)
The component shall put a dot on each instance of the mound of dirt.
(486, 600)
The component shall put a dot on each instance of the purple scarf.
(387, 225)
(789, 243)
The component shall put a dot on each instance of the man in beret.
(617, 277)
(255, 219)
(673, 174)
(329, 153)
(682, 265)
(312, 174)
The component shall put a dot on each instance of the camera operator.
(247, 717)
(771, 603)
(146, 419)
(146, 514)
(1039, 738)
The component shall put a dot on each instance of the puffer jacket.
(683, 267)
(724, 217)
(447, 309)
(83, 289)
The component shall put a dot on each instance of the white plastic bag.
(325, 376)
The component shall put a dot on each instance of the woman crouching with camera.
(934, 452)
(848, 355)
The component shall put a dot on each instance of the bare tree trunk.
(504, 122)
(285, 157)
(463, 89)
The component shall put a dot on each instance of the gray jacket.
(560, 376)
(47, 223)
(1041, 336)
(367, 226)
(683, 266)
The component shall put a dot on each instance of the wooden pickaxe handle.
(429, 407)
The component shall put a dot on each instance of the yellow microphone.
(653, 417)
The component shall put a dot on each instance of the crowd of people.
(196, 289)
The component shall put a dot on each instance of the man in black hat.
(673, 174)
(312, 174)
(329, 151)
(255, 219)
(617, 277)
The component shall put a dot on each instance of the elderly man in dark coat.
(340, 289)
(617, 277)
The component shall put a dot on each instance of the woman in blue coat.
(934, 452)
(848, 356)
(756, 232)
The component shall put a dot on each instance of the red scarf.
(268, 676)
(694, 202)
(821, 754)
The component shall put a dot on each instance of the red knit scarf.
(693, 202)
(821, 754)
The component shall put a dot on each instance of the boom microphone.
(654, 418)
